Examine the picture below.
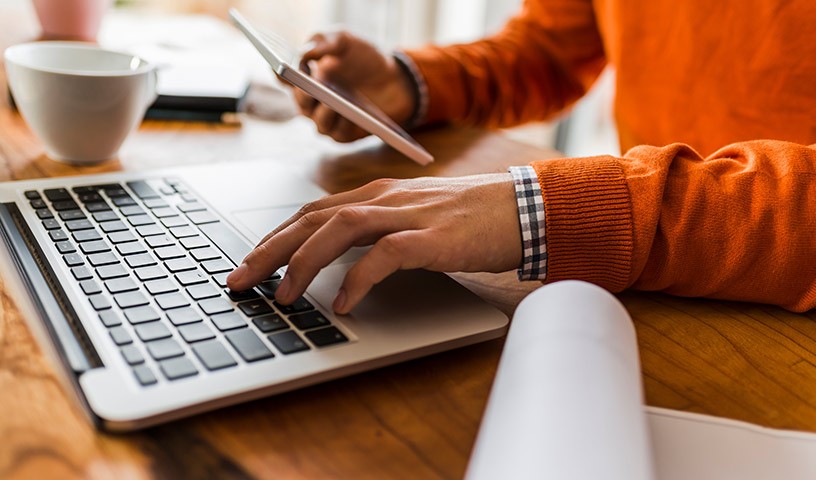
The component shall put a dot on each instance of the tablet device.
(353, 107)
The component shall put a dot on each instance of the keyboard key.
(111, 271)
(164, 212)
(121, 237)
(44, 213)
(211, 306)
(179, 265)
(50, 224)
(268, 288)
(326, 336)
(63, 205)
(83, 189)
(58, 235)
(88, 196)
(167, 348)
(228, 321)
(90, 287)
(57, 194)
(288, 342)
(191, 243)
(155, 203)
(183, 232)
(217, 266)
(299, 305)
(191, 207)
(130, 300)
(149, 230)
(196, 332)
(183, 316)
(173, 222)
(71, 215)
(96, 246)
(121, 285)
(190, 278)
(131, 210)
(106, 258)
(132, 355)
(94, 207)
(141, 315)
(114, 190)
(203, 254)
(213, 355)
(140, 220)
(255, 307)
(86, 236)
(65, 247)
(142, 189)
(120, 336)
(73, 259)
(248, 345)
(308, 320)
(200, 218)
(200, 292)
(116, 226)
(166, 253)
(37, 204)
(149, 273)
(140, 260)
(75, 225)
(169, 301)
(123, 201)
(32, 195)
(81, 273)
(110, 318)
(167, 191)
(131, 248)
(270, 323)
(243, 295)
(177, 368)
(221, 279)
(164, 285)
(144, 375)
(228, 241)
(188, 197)
(147, 332)
(159, 241)
(108, 216)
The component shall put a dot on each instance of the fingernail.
(283, 289)
(339, 301)
(238, 273)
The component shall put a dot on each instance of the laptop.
(121, 278)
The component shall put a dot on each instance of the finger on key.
(350, 226)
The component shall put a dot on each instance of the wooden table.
(414, 420)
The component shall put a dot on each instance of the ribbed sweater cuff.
(588, 221)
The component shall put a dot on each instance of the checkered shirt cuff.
(530, 203)
(421, 95)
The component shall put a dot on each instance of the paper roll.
(567, 401)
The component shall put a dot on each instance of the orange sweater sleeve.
(543, 60)
(738, 225)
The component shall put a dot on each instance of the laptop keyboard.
(152, 261)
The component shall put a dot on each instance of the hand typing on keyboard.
(454, 224)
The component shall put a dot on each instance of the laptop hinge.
(47, 295)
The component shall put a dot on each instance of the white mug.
(81, 101)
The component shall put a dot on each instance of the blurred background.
(588, 129)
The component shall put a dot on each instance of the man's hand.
(355, 65)
(442, 224)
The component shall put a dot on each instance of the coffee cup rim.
(12, 55)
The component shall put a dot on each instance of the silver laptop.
(122, 279)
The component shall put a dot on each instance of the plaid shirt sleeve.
(421, 96)
(530, 204)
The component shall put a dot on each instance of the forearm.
(737, 225)
(541, 62)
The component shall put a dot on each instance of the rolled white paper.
(567, 401)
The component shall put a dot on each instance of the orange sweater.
(719, 77)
